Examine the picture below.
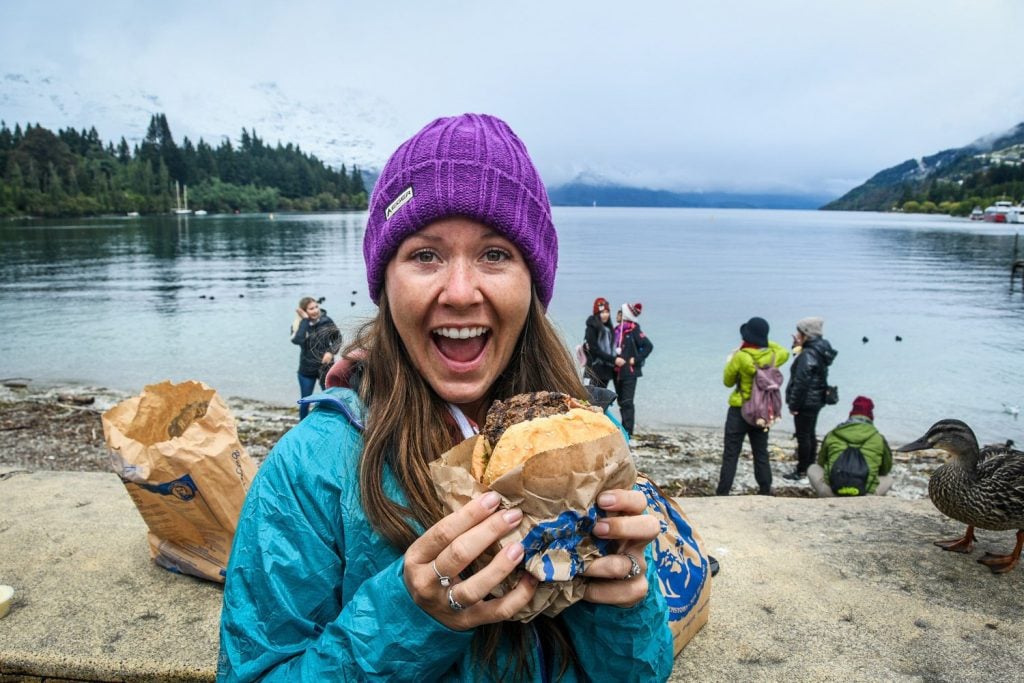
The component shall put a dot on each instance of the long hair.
(408, 426)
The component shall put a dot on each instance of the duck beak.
(919, 445)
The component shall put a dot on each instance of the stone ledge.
(811, 590)
(90, 605)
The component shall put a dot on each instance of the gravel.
(59, 428)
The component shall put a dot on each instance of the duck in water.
(981, 487)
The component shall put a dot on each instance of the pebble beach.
(58, 428)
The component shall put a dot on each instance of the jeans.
(805, 425)
(625, 389)
(736, 428)
(306, 386)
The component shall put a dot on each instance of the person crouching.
(858, 431)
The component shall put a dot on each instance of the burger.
(525, 425)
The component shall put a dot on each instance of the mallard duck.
(981, 487)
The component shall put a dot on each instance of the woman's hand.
(327, 358)
(450, 546)
(302, 313)
(617, 579)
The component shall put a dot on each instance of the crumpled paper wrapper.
(557, 491)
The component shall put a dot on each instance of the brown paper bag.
(684, 572)
(557, 491)
(176, 450)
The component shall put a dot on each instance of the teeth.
(460, 332)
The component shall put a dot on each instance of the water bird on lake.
(321, 299)
(981, 487)
(1011, 410)
(864, 340)
(899, 338)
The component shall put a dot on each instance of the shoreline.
(57, 427)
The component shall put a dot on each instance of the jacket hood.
(821, 347)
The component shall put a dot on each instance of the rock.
(77, 399)
(852, 589)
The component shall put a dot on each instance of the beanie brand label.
(400, 201)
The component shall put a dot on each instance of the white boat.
(133, 214)
(1003, 212)
(200, 212)
(977, 214)
(180, 210)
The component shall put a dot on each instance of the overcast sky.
(785, 95)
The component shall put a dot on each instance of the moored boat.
(180, 210)
(977, 214)
(1003, 212)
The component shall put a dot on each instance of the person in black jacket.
(631, 350)
(320, 339)
(805, 392)
(600, 368)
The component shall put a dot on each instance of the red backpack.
(764, 407)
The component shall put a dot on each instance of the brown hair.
(408, 426)
(305, 301)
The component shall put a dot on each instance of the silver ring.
(445, 580)
(634, 570)
(452, 602)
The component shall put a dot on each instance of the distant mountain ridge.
(596, 194)
(343, 126)
(987, 167)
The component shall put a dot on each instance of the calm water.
(126, 302)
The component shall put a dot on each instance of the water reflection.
(131, 301)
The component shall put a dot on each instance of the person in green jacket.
(754, 351)
(344, 565)
(860, 431)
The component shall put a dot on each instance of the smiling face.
(313, 311)
(459, 294)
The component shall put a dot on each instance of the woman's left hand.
(611, 583)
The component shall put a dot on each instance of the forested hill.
(73, 173)
(953, 181)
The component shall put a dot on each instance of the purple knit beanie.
(471, 165)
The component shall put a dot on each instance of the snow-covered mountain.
(343, 125)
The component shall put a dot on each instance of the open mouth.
(461, 344)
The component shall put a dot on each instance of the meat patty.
(523, 407)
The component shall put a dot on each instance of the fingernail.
(601, 528)
(606, 500)
(490, 500)
(514, 552)
(512, 516)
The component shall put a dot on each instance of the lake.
(123, 302)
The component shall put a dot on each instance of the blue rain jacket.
(314, 593)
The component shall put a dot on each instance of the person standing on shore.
(805, 391)
(858, 431)
(319, 339)
(631, 350)
(344, 565)
(754, 351)
(600, 368)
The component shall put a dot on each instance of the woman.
(600, 355)
(805, 392)
(632, 347)
(344, 565)
(320, 340)
(755, 351)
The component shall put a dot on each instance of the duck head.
(952, 436)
